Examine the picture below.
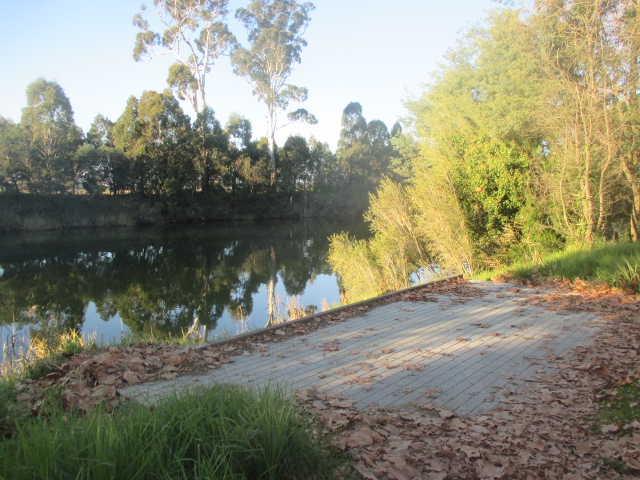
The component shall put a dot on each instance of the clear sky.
(376, 52)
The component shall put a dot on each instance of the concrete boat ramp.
(456, 348)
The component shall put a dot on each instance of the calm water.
(225, 278)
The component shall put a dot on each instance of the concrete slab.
(456, 352)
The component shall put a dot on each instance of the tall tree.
(156, 137)
(352, 144)
(100, 132)
(626, 27)
(275, 34)
(53, 136)
(380, 150)
(364, 149)
(195, 34)
(325, 169)
(166, 135)
(126, 137)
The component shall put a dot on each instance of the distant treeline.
(154, 149)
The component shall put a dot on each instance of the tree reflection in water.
(161, 280)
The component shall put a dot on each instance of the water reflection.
(162, 280)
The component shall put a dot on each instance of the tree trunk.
(272, 160)
(271, 139)
(634, 182)
(271, 291)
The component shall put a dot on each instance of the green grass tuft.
(221, 433)
(614, 264)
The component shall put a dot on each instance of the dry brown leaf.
(609, 429)
(175, 359)
(131, 377)
(341, 403)
(445, 414)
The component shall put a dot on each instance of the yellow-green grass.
(614, 264)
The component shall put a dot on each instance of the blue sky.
(376, 52)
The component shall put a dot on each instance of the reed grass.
(37, 356)
(225, 432)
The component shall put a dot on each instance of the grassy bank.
(614, 264)
(29, 212)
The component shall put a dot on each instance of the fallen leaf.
(609, 429)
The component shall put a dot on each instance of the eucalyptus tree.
(100, 132)
(194, 33)
(275, 35)
(52, 137)
(239, 168)
(90, 169)
(380, 150)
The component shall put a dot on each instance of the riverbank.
(551, 426)
(30, 212)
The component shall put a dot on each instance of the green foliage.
(13, 156)
(223, 432)
(356, 266)
(516, 152)
(627, 275)
(156, 136)
(385, 262)
(490, 180)
(365, 150)
(153, 150)
(473, 171)
(294, 165)
(11, 411)
(52, 137)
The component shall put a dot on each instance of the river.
(216, 280)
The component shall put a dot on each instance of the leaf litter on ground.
(543, 431)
